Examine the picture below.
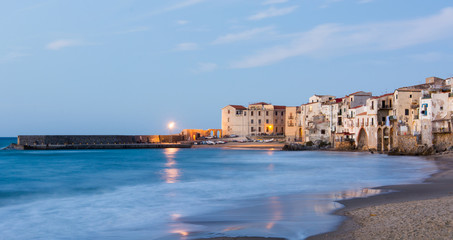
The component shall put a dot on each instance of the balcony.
(290, 117)
(385, 107)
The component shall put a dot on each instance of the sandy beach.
(245, 145)
(413, 211)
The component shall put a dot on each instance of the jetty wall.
(31, 140)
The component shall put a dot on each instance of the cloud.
(336, 39)
(182, 4)
(63, 43)
(188, 46)
(429, 56)
(269, 2)
(206, 67)
(272, 12)
(182, 22)
(245, 35)
(174, 7)
(12, 56)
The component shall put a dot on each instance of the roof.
(260, 103)
(357, 107)
(279, 107)
(408, 90)
(240, 107)
(360, 93)
(361, 114)
(385, 95)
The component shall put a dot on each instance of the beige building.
(293, 129)
(258, 119)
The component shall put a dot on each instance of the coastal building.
(195, 134)
(258, 119)
(411, 117)
(293, 128)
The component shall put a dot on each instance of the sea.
(186, 193)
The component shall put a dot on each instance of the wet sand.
(412, 211)
(415, 211)
(246, 145)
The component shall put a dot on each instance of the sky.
(130, 66)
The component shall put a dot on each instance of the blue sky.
(130, 67)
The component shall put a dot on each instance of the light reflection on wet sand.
(277, 216)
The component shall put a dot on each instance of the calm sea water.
(185, 193)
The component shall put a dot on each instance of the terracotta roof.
(260, 103)
(338, 100)
(279, 107)
(361, 114)
(240, 107)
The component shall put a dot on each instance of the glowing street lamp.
(171, 125)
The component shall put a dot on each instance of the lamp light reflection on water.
(171, 173)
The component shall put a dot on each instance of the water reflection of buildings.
(171, 174)
(366, 192)
(327, 207)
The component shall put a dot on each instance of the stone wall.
(407, 143)
(95, 139)
(442, 141)
(344, 146)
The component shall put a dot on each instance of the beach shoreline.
(390, 214)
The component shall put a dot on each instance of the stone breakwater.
(61, 142)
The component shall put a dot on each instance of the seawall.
(60, 142)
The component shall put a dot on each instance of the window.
(251, 113)
(267, 129)
(282, 113)
(245, 113)
(228, 111)
(406, 112)
(441, 108)
(390, 103)
(259, 121)
(383, 119)
(372, 105)
(267, 113)
(252, 129)
(383, 104)
(372, 122)
(259, 113)
(259, 129)
(251, 121)
(339, 121)
(323, 131)
(267, 120)
(424, 111)
(410, 96)
(276, 113)
(396, 96)
(228, 119)
(311, 108)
